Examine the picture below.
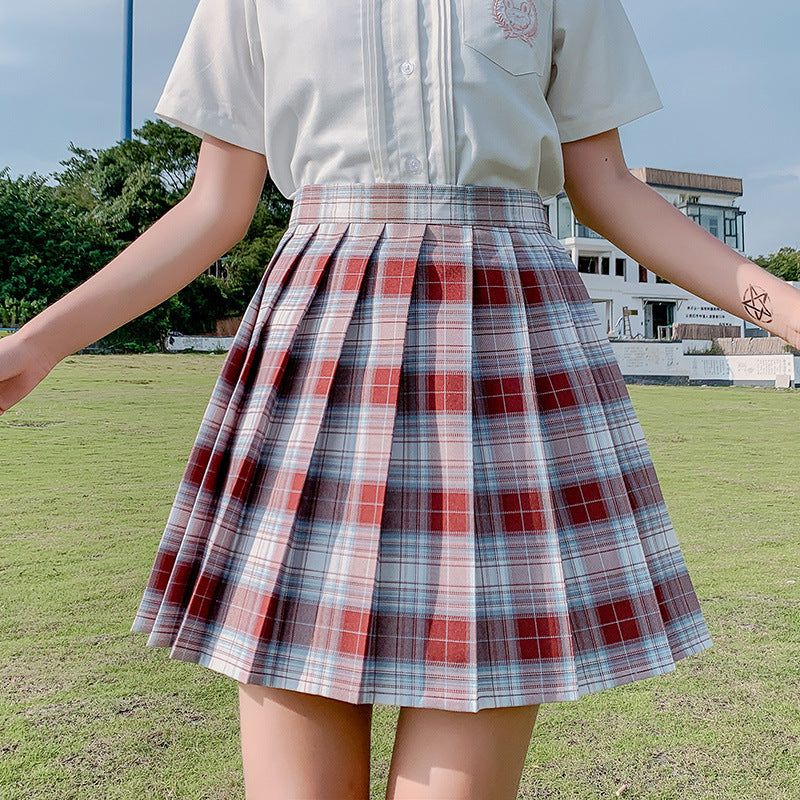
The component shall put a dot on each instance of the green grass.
(89, 464)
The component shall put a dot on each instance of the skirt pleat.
(420, 480)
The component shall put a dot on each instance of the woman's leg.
(299, 746)
(453, 755)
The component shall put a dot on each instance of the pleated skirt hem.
(344, 689)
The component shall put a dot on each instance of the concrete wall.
(657, 362)
(200, 344)
(758, 370)
(640, 362)
(651, 358)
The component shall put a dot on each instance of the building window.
(567, 226)
(587, 264)
(642, 274)
(620, 267)
(585, 233)
(659, 279)
(734, 228)
(723, 222)
(605, 265)
(564, 218)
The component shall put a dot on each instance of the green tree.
(248, 259)
(54, 236)
(785, 263)
(47, 248)
(129, 186)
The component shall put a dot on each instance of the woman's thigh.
(449, 755)
(299, 746)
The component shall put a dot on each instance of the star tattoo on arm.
(757, 304)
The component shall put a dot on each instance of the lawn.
(90, 463)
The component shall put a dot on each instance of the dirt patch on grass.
(34, 424)
(21, 682)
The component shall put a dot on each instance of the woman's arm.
(608, 199)
(166, 257)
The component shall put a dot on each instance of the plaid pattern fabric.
(420, 480)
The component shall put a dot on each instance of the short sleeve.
(216, 85)
(600, 79)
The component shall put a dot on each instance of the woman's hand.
(22, 368)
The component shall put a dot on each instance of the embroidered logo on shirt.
(519, 20)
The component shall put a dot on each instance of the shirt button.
(406, 68)
(413, 164)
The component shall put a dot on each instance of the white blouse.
(408, 91)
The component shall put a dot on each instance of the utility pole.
(127, 80)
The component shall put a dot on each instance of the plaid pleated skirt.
(420, 480)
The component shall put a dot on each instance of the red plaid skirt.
(420, 480)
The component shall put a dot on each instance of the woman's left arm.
(608, 199)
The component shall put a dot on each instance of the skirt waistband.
(419, 202)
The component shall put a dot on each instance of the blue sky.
(728, 72)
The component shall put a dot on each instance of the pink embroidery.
(518, 19)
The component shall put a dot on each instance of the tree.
(785, 263)
(248, 259)
(54, 236)
(129, 186)
(47, 248)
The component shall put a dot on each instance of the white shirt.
(409, 91)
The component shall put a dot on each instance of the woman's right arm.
(213, 216)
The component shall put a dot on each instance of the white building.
(632, 302)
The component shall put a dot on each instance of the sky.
(728, 72)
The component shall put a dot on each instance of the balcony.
(725, 223)
(567, 226)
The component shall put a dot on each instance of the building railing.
(664, 332)
(580, 230)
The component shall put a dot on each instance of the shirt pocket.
(514, 34)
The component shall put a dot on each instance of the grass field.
(89, 463)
